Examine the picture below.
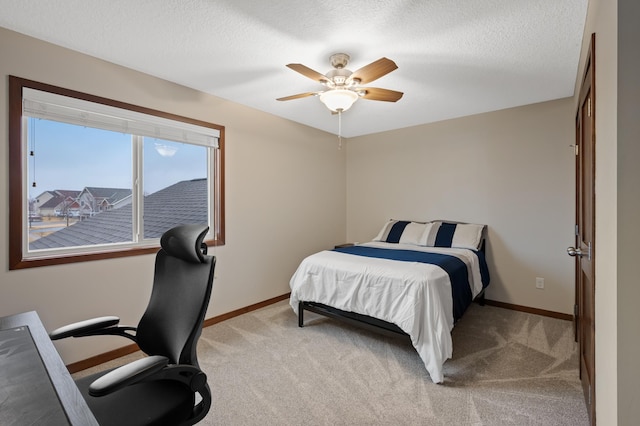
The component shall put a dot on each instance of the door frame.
(587, 87)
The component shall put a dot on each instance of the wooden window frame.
(16, 175)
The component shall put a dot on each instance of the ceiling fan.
(345, 87)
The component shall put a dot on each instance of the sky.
(71, 157)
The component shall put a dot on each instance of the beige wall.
(285, 198)
(512, 170)
(628, 175)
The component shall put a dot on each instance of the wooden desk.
(38, 388)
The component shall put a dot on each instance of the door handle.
(572, 251)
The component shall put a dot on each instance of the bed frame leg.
(300, 314)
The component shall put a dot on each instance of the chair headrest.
(185, 242)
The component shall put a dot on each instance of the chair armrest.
(127, 374)
(84, 328)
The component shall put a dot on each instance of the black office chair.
(167, 387)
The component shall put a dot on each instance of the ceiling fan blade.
(308, 72)
(373, 71)
(298, 96)
(375, 94)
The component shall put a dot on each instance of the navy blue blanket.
(453, 266)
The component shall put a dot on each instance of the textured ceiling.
(454, 57)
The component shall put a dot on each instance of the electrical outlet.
(539, 283)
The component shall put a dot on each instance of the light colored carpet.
(508, 368)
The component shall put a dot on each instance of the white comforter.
(414, 296)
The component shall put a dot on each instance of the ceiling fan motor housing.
(339, 60)
(338, 76)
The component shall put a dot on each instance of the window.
(93, 178)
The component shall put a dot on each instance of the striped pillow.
(403, 232)
(458, 235)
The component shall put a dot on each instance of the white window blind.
(51, 106)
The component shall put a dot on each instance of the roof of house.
(58, 196)
(42, 194)
(112, 194)
(182, 203)
(53, 202)
(68, 192)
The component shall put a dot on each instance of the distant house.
(40, 201)
(93, 200)
(185, 202)
(88, 202)
(53, 203)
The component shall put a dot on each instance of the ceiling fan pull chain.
(339, 129)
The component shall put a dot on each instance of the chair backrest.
(182, 283)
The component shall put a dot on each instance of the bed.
(413, 278)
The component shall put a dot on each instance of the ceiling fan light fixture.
(338, 99)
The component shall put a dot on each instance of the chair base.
(146, 403)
